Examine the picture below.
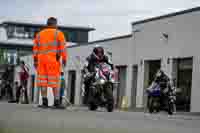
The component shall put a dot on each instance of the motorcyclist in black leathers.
(163, 80)
(97, 56)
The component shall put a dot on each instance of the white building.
(169, 41)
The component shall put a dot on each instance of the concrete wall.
(183, 39)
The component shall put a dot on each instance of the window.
(29, 32)
(66, 34)
(73, 36)
(10, 31)
(8, 56)
(27, 29)
(20, 30)
(30, 35)
(11, 56)
(2, 56)
(20, 33)
(70, 36)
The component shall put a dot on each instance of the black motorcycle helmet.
(99, 51)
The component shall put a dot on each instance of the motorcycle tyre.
(170, 109)
(110, 107)
(93, 107)
(150, 105)
(157, 110)
(110, 98)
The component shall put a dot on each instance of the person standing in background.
(7, 81)
(24, 75)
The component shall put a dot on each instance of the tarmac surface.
(18, 118)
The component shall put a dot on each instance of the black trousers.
(10, 91)
(7, 89)
(24, 84)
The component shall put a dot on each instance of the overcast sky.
(109, 17)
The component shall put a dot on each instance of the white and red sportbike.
(101, 89)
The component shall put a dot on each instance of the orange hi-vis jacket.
(48, 45)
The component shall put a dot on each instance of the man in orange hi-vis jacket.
(48, 51)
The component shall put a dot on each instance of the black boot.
(62, 103)
(61, 100)
(57, 104)
(44, 103)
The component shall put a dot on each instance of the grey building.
(170, 42)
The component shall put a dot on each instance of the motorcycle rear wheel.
(171, 109)
(110, 107)
(93, 107)
(153, 104)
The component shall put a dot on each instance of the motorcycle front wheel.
(110, 98)
(153, 104)
(150, 105)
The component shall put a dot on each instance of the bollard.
(124, 105)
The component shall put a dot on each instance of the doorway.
(134, 86)
(71, 86)
(183, 75)
(120, 91)
(150, 69)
